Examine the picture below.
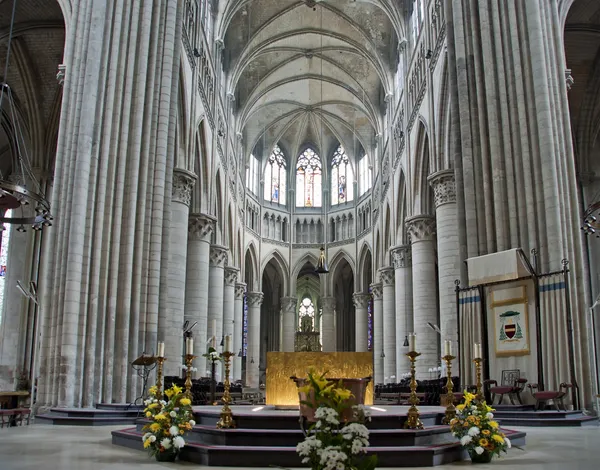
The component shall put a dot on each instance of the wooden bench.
(556, 396)
(14, 417)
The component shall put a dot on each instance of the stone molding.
(328, 304)
(377, 290)
(420, 228)
(360, 299)
(201, 226)
(386, 276)
(401, 256)
(183, 182)
(254, 299)
(240, 290)
(231, 275)
(444, 187)
(289, 304)
(218, 256)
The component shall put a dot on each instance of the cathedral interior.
(205, 160)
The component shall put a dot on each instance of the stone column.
(170, 323)
(231, 277)
(448, 254)
(254, 300)
(288, 323)
(328, 324)
(216, 279)
(361, 303)
(200, 228)
(238, 330)
(377, 345)
(402, 257)
(421, 229)
(386, 275)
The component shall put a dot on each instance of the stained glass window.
(275, 177)
(365, 175)
(245, 327)
(308, 179)
(3, 263)
(342, 187)
(307, 310)
(370, 322)
(252, 175)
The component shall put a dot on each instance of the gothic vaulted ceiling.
(309, 72)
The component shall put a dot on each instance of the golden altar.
(282, 391)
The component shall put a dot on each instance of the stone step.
(51, 418)
(538, 414)
(541, 422)
(93, 412)
(119, 407)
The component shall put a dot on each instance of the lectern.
(143, 365)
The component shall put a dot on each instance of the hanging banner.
(470, 314)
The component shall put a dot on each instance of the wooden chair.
(512, 385)
(556, 396)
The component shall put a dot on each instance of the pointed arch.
(365, 268)
(307, 258)
(275, 258)
(218, 209)
(444, 160)
(337, 259)
(251, 268)
(422, 202)
(387, 234)
(401, 213)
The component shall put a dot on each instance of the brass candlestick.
(188, 374)
(479, 393)
(450, 409)
(413, 421)
(159, 376)
(226, 420)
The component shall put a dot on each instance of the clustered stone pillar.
(196, 288)
(328, 324)
(231, 277)
(288, 323)
(377, 346)
(421, 229)
(254, 300)
(216, 279)
(238, 331)
(361, 304)
(448, 250)
(389, 324)
(171, 321)
(401, 257)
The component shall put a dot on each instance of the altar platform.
(266, 435)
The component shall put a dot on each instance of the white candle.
(228, 343)
(214, 342)
(214, 328)
(161, 349)
(477, 350)
(412, 342)
(447, 348)
(189, 346)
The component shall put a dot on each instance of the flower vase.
(166, 456)
(485, 457)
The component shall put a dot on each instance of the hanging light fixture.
(322, 267)
(20, 191)
(590, 220)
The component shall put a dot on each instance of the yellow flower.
(185, 401)
(148, 414)
(160, 417)
(343, 394)
(147, 443)
(169, 393)
(499, 439)
(453, 421)
(153, 390)
(154, 427)
(469, 397)
(177, 390)
(485, 432)
(321, 383)
(305, 389)
(483, 442)
(153, 405)
(460, 407)
(493, 424)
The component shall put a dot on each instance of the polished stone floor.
(38, 447)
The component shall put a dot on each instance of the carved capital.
(254, 299)
(200, 227)
(360, 300)
(444, 188)
(218, 256)
(240, 290)
(328, 304)
(570, 81)
(183, 182)
(61, 74)
(231, 275)
(401, 256)
(386, 275)
(420, 228)
(377, 290)
(289, 304)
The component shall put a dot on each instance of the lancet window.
(308, 179)
(342, 187)
(275, 177)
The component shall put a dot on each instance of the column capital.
(444, 187)
(289, 304)
(386, 275)
(231, 275)
(183, 182)
(218, 256)
(328, 303)
(420, 228)
(401, 256)
(201, 226)
(240, 290)
(377, 290)
(254, 299)
(360, 299)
